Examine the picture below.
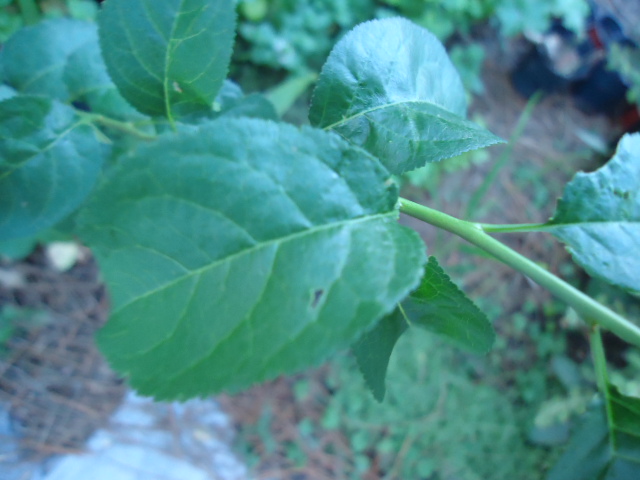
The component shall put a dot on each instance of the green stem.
(490, 178)
(584, 305)
(602, 376)
(30, 12)
(513, 228)
(599, 359)
(124, 127)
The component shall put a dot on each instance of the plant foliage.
(237, 248)
(598, 217)
(605, 445)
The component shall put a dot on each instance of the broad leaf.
(600, 450)
(169, 57)
(598, 218)
(268, 249)
(390, 87)
(49, 162)
(374, 348)
(61, 58)
(439, 306)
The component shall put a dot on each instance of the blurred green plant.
(626, 61)
(427, 409)
(17, 13)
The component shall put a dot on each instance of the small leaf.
(49, 162)
(599, 451)
(374, 348)
(390, 87)
(269, 249)
(598, 218)
(233, 103)
(439, 306)
(6, 92)
(61, 58)
(168, 58)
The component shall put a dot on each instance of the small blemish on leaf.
(317, 296)
(176, 87)
(622, 194)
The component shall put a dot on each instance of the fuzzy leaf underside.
(60, 58)
(244, 250)
(598, 217)
(390, 87)
(49, 162)
(598, 452)
(438, 305)
(373, 351)
(168, 57)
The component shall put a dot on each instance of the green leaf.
(49, 162)
(232, 102)
(600, 451)
(598, 217)
(284, 95)
(168, 58)
(61, 58)
(266, 251)
(390, 87)
(374, 348)
(6, 92)
(439, 306)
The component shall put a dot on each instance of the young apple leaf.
(598, 217)
(61, 58)
(602, 447)
(168, 58)
(439, 306)
(49, 162)
(390, 87)
(374, 348)
(266, 251)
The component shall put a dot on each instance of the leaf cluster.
(236, 247)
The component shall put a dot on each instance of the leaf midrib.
(382, 107)
(49, 146)
(167, 61)
(217, 262)
(594, 223)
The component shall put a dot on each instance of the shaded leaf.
(374, 348)
(233, 103)
(439, 306)
(599, 451)
(170, 57)
(268, 249)
(6, 92)
(598, 217)
(61, 58)
(49, 162)
(390, 87)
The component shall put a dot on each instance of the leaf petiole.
(124, 127)
(474, 233)
(513, 228)
(602, 377)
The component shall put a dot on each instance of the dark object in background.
(602, 92)
(554, 61)
(560, 62)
